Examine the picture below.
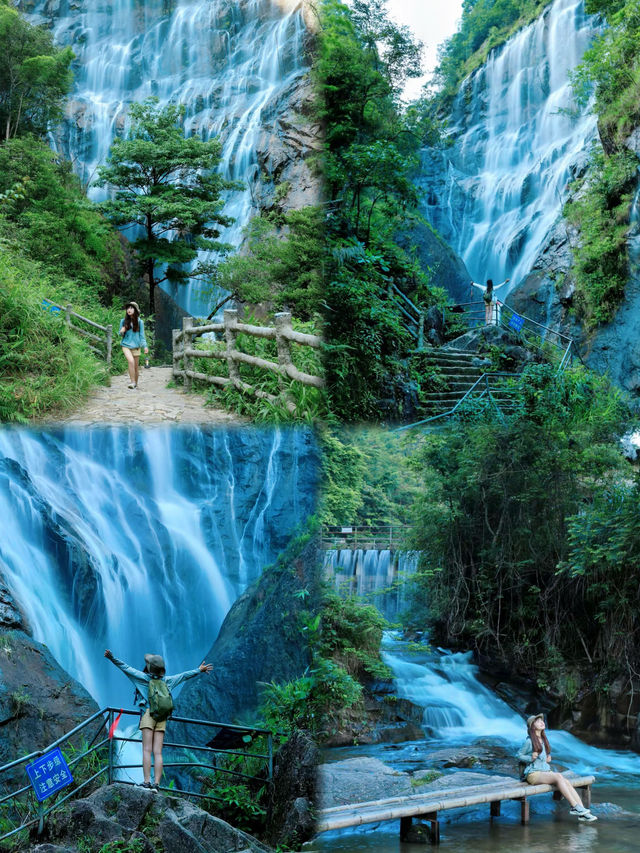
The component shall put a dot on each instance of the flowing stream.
(458, 711)
(232, 65)
(140, 540)
(496, 193)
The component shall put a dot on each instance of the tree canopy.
(168, 189)
(35, 76)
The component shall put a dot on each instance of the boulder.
(444, 268)
(261, 640)
(39, 701)
(290, 820)
(126, 813)
(358, 780)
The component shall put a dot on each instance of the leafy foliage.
(35, 76)
(167, 186)
(601, 212)
(370, 156)
(45, 211)
(280, 263)
(500, 497)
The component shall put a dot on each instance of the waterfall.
(378, 576)
(140, 540)
(497, 191)
(458, 708)
(232, 65)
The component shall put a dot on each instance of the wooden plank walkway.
(427, 805)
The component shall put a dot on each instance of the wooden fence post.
(109, 343)
(187, 325)
(174, 352)
(283, 324)
(230, 323)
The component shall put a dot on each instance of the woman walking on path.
(153, 730)
(491, 308)
(133, 340)
(535, 755)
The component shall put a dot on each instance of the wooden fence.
(227, 351)
(100, 340)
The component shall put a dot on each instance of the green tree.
(498, 501)
(35, 76)
(166, 188)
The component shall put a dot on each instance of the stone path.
(150, 403)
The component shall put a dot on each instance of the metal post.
(270, 752)
(110, 770)
(109, 331)
(421, 331)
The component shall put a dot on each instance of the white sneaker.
(587, 817)
(131, 385)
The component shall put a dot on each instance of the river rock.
(39, 701)
(357, 780)
(118, 814)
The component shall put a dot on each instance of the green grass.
(45, 369)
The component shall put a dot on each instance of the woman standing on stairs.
(491, 307)
(534, 758)
(133, 340)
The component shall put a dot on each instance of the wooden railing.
(226, 350)
(101, 339)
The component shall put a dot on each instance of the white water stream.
(230, 62)
(140, 540)
(497, 191)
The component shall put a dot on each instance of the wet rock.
(358, 780)
(39, 701)
(121, 814)
(260, 641)
(290, 820)
(444, 267)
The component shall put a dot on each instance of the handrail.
(282, 332)
(484, 378)
(107, 765)
(49, 305)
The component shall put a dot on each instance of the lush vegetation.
(35, 76)
(610, 71)
(368, 479)
(371, 150)
(516, 523)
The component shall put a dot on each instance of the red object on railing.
(114, 726)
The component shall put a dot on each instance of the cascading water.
(497, 192)
(459, 709)
(378, 576)
(140, 540)
(230, 63)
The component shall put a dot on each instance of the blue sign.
(49, 774)
(516, 322)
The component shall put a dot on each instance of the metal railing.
(100, 344)
(553, 345)
(482, 388)
(412, 316)
(100, 756)
(390, 537)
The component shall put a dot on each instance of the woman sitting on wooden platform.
(535, 758)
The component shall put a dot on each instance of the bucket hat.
(135, 305)
(155, 665)
(530, 720)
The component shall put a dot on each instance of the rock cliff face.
(261, 640)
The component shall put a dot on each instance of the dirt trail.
(150, 403)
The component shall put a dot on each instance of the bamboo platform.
(427, 805)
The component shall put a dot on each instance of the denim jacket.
(132, 339)
(141, 680)
(531, 765)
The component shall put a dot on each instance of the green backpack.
(160, 701)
